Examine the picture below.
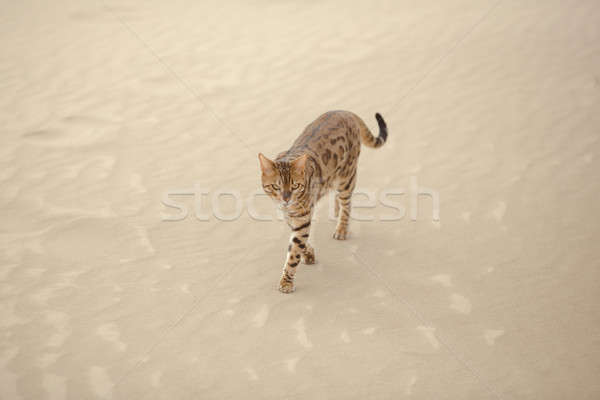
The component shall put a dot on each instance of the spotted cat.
(323, 157)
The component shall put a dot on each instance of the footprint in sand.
(144, 240)
(135, 181)
(291, 364)
(301, 334)
(156, 378)
(229, 312)
(499, 211)
(491, 335)
(442, 279)
(185, 288)
(345, 337)
(110, 332)
(466, 216)
(252, 375)
(369, 331)
(410, 385)
(429, 333)
(460, 303)
(261, 316)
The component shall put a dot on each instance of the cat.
(323, 157)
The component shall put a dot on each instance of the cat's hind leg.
(344, 199)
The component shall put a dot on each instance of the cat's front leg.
(301, 229)
(297, 249)
(286, 284)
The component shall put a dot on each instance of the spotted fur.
(324, 157)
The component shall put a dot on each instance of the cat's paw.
(308, 257)
(341, 234)
(286, 286)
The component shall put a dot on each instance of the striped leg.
(298, 249)
(344, 198)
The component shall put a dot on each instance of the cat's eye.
(275, 187)
(295, 186)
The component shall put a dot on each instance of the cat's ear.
(300, 163)
(267, 166)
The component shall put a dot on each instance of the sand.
(106, 107)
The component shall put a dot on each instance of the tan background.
(104, 107)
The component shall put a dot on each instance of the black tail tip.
(382, 126)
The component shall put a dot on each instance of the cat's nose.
(286, 195)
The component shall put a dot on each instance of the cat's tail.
(367, 138)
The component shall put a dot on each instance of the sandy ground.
(106, 107)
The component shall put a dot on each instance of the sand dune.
(106, 107)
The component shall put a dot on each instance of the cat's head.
(283, 181)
